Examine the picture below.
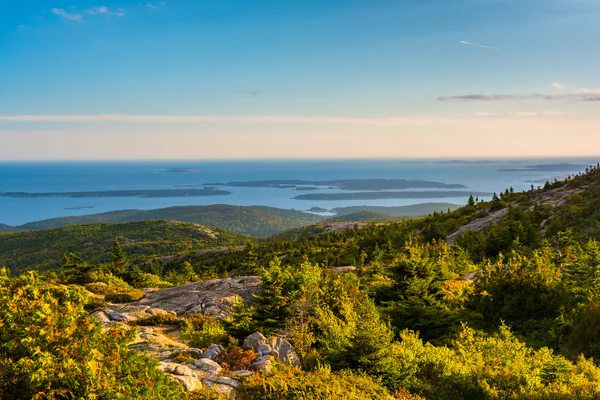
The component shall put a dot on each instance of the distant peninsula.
(121, 193)
(387, 195)
(345, 184)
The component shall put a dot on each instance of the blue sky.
(245, 79)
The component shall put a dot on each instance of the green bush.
(50, 349)
(284, 383)
(202, 331)
(131, 296)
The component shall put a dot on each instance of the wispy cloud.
(558, 86)
(151, 6)
(62, 13)
(481, 45)
(589, 91)
(583, 96)
(522, 114)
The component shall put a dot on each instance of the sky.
(206, 79)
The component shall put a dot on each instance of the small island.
(157, 193)
(547, 168)
(387, 195)
(345, 184)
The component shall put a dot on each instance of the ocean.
(39, 177)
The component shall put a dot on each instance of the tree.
(118, 259)
(471, 201)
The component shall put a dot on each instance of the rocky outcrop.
(211, 297)
(196, 368)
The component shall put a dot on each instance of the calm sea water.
(95, 176)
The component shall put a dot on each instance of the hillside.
(413, 210)
(43, 249)
(255, 221)
(383, 310)
(364, 215)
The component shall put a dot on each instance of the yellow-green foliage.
(147, 280)
(202, 331)
(49, 349)
(284, 383)
(128, 297)
(478, 366)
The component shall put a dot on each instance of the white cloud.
(62, 13)
(589, 91)
(151, 6)
(558, 86)
(522, 114)
(120, 12)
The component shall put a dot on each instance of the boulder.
(208, 365)
(176, 369)
(212, 351)
(253, 341)
(283, 351)
(242, 372)
(279, 348)
(221, 380)
(190, 383)
(263, 363)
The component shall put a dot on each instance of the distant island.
(345, 184)
(122, 193)
(181, 170)
(548, 168)
(387, 195)
(476, 162)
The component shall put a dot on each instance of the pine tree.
(471, 201)
(118, 259)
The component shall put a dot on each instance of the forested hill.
(43, 249)
(254, 220)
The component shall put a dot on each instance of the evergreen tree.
(118, 259)
(471, 201)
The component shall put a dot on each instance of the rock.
(263, 363)
(253, 341)
(206, 364)
(242, 372)
(212, 351)
(157, 311)
(337, 270)
(101, 316)
(118, 317)
(176, 369)
(224, 390)
(283, 351)
(190, 383)
(279, 348)
(212, 297)
(221, 380)
(192, 352)
(263, 350)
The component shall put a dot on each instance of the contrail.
(480, 45)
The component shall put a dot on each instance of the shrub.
(234, 358)
(159, 319)
(50, 349)
(292, 383)
(202, 331)
(131, 296)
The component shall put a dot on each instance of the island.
(547, 168)
(387, 195)
(122, 193)
(345, 184)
